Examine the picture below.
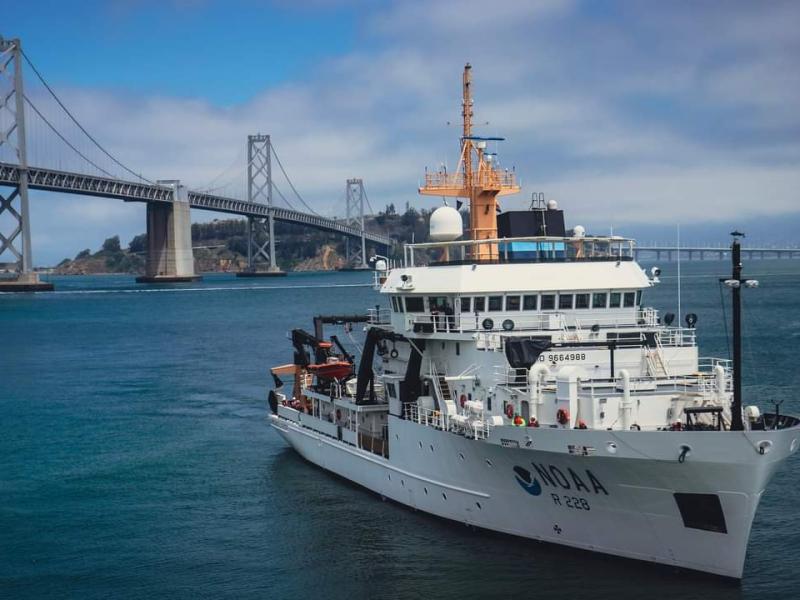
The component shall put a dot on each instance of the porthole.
(426, 490)
(431, 447)
(508, 325)
(396, 436)
(389, 476)
(489, 463)
(420, 445)
(611, 447)
(478, 504)
(402, 483)
(444, 496)
(461, 456)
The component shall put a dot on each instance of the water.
(136, 460)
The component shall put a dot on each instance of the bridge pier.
(260, 232)
(169, 240)
(355, 252)
(13, 136)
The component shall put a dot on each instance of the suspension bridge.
(65, 158)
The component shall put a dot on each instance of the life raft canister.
(509, 411)
(463, 400)
(562, 416)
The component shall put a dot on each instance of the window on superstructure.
(599, 300)
(548, 301)
(495, 303)
(466, 301)
(630, 299)
(394, 304)
(415, 304)
(581, 300)
(614, 300)
(639, 298)
(564, 301)
(529, 302)
(513, 303)
(479, 304)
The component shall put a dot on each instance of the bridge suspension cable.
(74, 120)
(65, 140)
(291, 185)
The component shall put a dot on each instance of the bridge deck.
(92, 185)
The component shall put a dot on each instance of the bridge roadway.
(91, 185)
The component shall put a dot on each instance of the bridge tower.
(356, 254)
(260, 232)
(14, 207)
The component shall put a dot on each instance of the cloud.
(623, 112)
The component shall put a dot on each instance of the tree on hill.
(83, 254)
(112, 245)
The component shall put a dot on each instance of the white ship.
(518, 384)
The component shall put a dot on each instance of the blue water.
(136, 461)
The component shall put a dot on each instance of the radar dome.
(552, 205)
(578, 231)
(446, 224)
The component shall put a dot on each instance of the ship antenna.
(678, 230)
(735, 283)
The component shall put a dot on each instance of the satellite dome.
(578, 231)
(446, 224)
(552, 205)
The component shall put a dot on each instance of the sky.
(628, 113)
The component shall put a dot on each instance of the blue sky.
(626, 112)
(225, 52)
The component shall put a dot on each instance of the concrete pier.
(25, 282)
(169, 240)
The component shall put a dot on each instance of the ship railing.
(486, 178)
(379, 316)
(424, 416)
(486, 321)
(678, 336)
(510, 377)
(571, 326)
(519, 249)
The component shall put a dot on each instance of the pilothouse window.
(512, 302)
(548, 301)
(415, 304)
(495, 303)
(465, 304)
(615, 299)
(581, 300)
(599, 300)
(564, 301)
(630, 299)
(480, 304)
(529, 302)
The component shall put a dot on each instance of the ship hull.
(624, 505)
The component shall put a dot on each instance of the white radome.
(446, 224)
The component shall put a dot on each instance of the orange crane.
(477, 178)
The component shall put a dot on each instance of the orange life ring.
(509, 410)
(562, 416)
(532, 422)
(519, 421)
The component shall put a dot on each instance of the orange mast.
(480, 182)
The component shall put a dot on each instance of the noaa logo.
(530, 485)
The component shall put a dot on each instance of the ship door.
(526, 410)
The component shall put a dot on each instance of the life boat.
(337, 369)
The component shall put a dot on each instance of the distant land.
(221, 245)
